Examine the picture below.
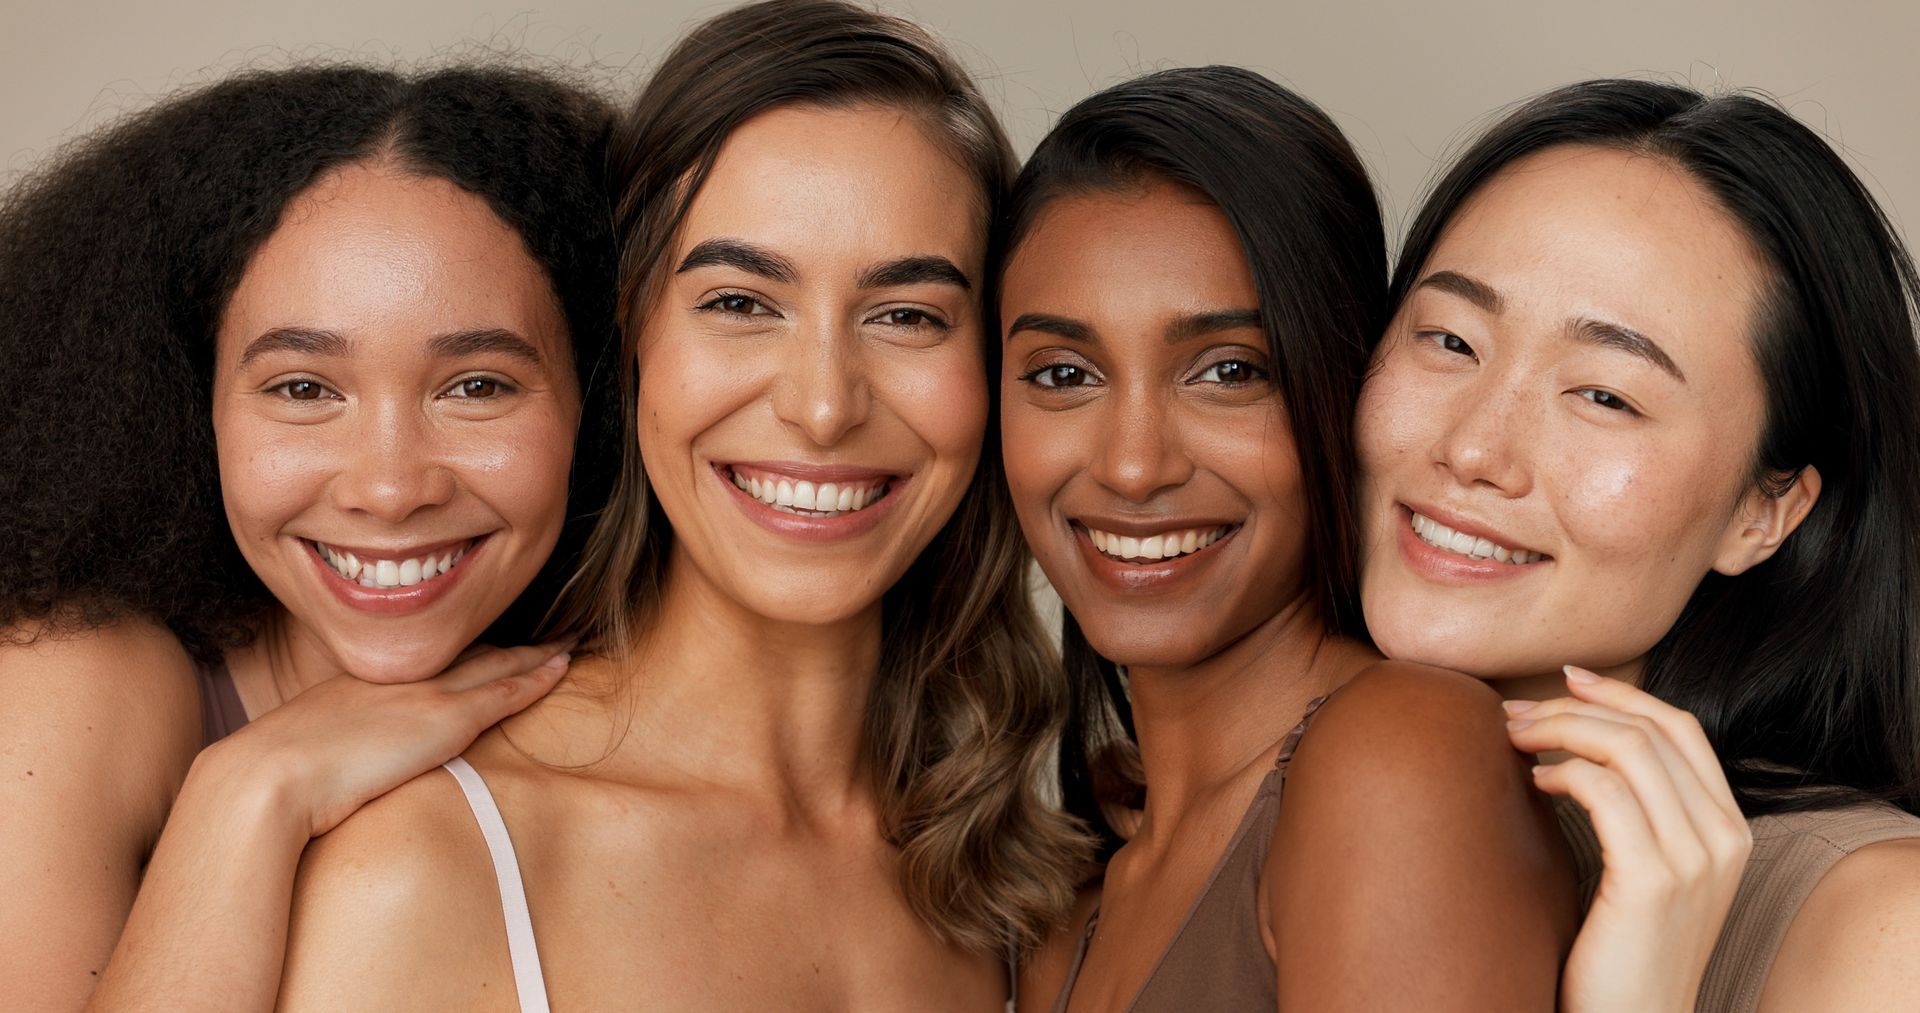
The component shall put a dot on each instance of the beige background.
(1405, 79)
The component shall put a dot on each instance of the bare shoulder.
(1409, 826)
(1855, 943)
(97, 732)
(398, 906)
(1403, 729)
(110, 714)
(1044, 973)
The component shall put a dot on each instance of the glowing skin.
(438, 417)
(1511, 419)
(819, 323)
(1131, 413)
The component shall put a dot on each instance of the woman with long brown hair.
(800, 767)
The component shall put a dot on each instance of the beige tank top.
(1791, 852)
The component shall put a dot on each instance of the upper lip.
(1470, 527)
(840, 473)
(1145, 527)
(414, 551)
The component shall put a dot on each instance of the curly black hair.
(116, 263)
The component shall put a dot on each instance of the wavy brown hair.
(967, 705)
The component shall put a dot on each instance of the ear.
(1764, 521)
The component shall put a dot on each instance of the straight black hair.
(1801, 670)
(1301, 203)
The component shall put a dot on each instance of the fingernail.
(1516, 726)
(558, 661)
(1580, 675)
(1540, 768)
(1518, 706)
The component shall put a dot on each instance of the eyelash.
(1619, 404)
(1258, 374)
(1033, 376)
(922, 318)
(501, 389)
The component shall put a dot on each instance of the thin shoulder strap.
(527, 979)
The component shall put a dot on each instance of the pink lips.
(1445, 567)
(394, 601)
(1144, 576)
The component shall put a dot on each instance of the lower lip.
(1445, 567)
(1152, 577)
(393, 601)
(837, 527)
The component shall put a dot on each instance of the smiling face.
(812, 381)
(394, 405)
(1149, 456)
(1558, 435)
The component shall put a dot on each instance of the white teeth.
(1166, 545)
(389, 573)
(1442, 537)
(808, 498)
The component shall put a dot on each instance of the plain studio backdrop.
(1407, 80)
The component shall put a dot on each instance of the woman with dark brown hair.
(799, 768)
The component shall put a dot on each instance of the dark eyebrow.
(1047, 323)
(919, 270)
(295, 339)
(491, 339)
(1199, 324)
(1626, 339)
(1476, 292)
(742, 255)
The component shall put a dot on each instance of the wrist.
(256, 797)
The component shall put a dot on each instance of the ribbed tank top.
(1216, 960)
(220, 711)
(1791, 853)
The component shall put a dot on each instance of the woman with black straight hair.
(1647, 406)
(1194, 271)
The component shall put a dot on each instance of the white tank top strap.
(527, 979)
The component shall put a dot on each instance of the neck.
(730, 697)
(1201, 724)
(282, 662)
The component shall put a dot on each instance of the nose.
(1487, 438)
(1144, 453)
(393, 465)
(824, 390)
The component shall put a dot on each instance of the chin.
(391, 668)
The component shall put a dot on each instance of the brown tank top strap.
(1791, 853)
(1217, 954)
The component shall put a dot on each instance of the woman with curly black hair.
(295, 364)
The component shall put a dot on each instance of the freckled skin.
(390, 260)
(1635, 508)
(1143, 440)
(814, 374)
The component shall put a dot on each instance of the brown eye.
(477, 387)
(1057, 376)
(301, 390)
(1233, 372)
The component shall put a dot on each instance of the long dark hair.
(117, 259)
(1802, 670)
(965, 710)
(1300, 201)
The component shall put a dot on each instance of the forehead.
(370, 249)
(1597, 231)
(864, 182)
(1141, 252)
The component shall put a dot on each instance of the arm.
(209, 928)
(1671, 836)
(1855, 943)
(96, 732)
(1413, 865)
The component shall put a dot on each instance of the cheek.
(520, 464)
(942, 398)
(269, 472)
(1388, 423)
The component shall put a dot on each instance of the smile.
(1460, 543)
(1170, 544)
(804, 498)
(392, 572)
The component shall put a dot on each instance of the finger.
(1627, 845)
(490, 702)
(497, 663)
(1682, 728)
(1664, 785)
